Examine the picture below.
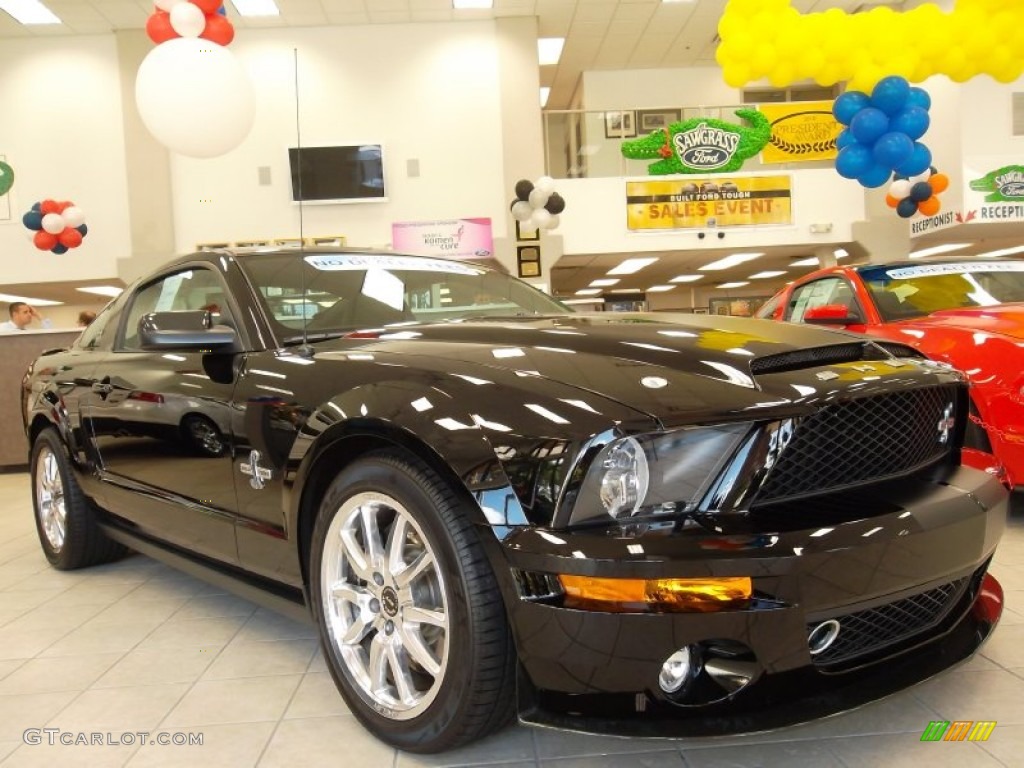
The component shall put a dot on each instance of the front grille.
(865, 440)
(866, 632)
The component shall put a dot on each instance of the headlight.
(652, 475)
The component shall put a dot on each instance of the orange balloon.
(939, 182)
(891, 201)
(929, 207)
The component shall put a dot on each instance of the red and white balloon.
(58, 226)
(190, 18)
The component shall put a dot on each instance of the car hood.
(666, 365)
(1002, 319)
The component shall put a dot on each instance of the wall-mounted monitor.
(351, 173)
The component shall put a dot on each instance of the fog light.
(823, 636)
(677, 670)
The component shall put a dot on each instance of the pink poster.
(452, 238)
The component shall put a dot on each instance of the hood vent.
(839, 353)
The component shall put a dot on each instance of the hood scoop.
(798, 359)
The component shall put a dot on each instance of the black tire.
(460, 686)
(65, 522)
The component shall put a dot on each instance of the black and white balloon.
(537, 205)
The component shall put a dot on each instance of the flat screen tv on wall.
(340, 174)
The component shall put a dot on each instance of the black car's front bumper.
(908, 585)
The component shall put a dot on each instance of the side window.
(828, 290)
(189, 289)
(91, 335)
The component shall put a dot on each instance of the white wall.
(60, 129)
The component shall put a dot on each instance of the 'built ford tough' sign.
(701, 144)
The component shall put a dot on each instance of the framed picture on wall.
(619, 125)
(528, 260)
(526, 235)
(737, 307)
(649, 120)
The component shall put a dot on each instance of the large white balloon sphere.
(540, 218)
(166, 5)
(73, 216)
(194, 97)
(539, 197)
(53, 223)
(187, 20)
(521, 210)
(546, 183)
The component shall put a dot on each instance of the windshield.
(902, 293)
(333, 293)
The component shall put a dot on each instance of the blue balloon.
(906, 208)
(37, 206)
(59, 248)
(853, 160)
(920, 192)
(868, 125)
(844, 139)
(913, 121)
(33, 220)
(919, 98)
(875, 176)
(848, 105)
(890, 94)
(892, 149)
(83, 229)
(919, 162)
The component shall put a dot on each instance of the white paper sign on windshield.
(926, 270)
(354, 261)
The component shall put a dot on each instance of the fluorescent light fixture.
(840, 253)
(580, 301)
(549, 49)
(733, 260)
(11, 298)
(256, 7)
(604, 282)
(737, 284)
(29, 12)
(625, 290)
(102, 290)
(937, 249)
(632, 266)
(685, 278)
(768, 273)
(460, 5)
(588, 292)
(660, 288)
(811, 261)
(545, 91)
(1001, 252)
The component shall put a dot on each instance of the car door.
(159, 423)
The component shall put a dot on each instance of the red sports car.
(969, 313)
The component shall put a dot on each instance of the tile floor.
(135, 646)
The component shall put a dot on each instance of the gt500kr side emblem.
(946, 424)
(257, 475)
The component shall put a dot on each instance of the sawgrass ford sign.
(714, 201)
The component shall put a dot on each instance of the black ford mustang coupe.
(640, 523)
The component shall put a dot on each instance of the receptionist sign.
(700, 203)
(450, 238)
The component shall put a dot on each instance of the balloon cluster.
(58, 226)
(190, 18)
(917, 194)
(882, 132)
(770, 38)
(537, 205)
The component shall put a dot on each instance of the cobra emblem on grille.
(946, 424)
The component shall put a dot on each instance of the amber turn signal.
(641, 595)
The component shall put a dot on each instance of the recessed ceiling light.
(625, 290)
(549, 49)
(11, 298)
(604, 282)
(685, 278)
(808, 262)
(545, 91)
(937, 249)
(768, 273)
(632, 266)
(459, 5)
(1001, 252)
(737, 284)
(102, 290)
(29, 12)
(256, 7)
(588, 292)
(661, 288)
(733, 260)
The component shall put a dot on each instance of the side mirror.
(187, 330)
(831, 314)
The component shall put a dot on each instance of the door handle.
(103, 387)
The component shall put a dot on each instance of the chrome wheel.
(50, 504)
(384, 604)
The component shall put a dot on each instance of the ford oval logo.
(705, 157)
(1012, 190)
